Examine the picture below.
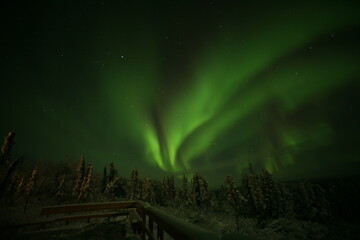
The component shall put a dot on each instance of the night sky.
(185, 86)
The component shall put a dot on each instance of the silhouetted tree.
(104, 180)
(80, 175)
(7, 145)
(112, 172)
(86, 190)
(61, 188)
(171, 187)
(271, 194)
(19, 188)
(147, 191)
(185, 191)
(10, 169)
(234, 198)
(199, 191)
(134, 186)
(252, 191)
(30, 186)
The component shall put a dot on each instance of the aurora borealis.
(173, 87)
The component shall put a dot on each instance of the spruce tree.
(7, 146)
(80, 175)
(19, 187)
(61, 188)
(185, 194)
(7, 175)
(147, 191)
(112, 172)
(199, 191)
(86, 190)
(30, 186)
(134, 186)
(234, 198)
(104, 181)
(271, 193)
(252, 191)
(171, 187)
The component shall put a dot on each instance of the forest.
(257, 206)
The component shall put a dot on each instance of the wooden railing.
(150, 216)
(88, 207)
(175, 227)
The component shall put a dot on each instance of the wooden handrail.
(89, 207)
(175, 227)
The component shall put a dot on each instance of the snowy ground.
(219, 224)
(275, 229)
(116, 228)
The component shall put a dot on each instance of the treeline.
(256, 196)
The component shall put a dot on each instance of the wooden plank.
(79, 217)
(51, 210)
(42, 223)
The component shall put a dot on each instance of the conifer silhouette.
(134, 186)
(30, 186)
(7, 146)
(86, 190)
(80, 175)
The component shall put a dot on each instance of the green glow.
(168, 90)
(226, 87)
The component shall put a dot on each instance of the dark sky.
(185, 86)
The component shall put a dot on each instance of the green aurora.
(173, 89)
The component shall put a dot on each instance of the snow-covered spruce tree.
(11, 188)
(195, 190)
(104, 180)
(204, 192)
(185, 192)
(86, 189)
(171, 188)
(311, 202)
(168, 190)
(218, 201)
(252, 192)
(199, 191)
(234, 198)
(116, 188)
(80, 175)
(160, 195)
(286, 202)
(147, 191)
(321, 204)
(112, 173)
(164, 196)
(20, 186)
(134, 186)
(30, 186)
(272, 196)
(7, 174)
(60, 193)
(7, 146)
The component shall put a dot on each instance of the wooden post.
(143, 216)
(160, 233)
(151, 226)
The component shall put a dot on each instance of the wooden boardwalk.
(141, 220)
